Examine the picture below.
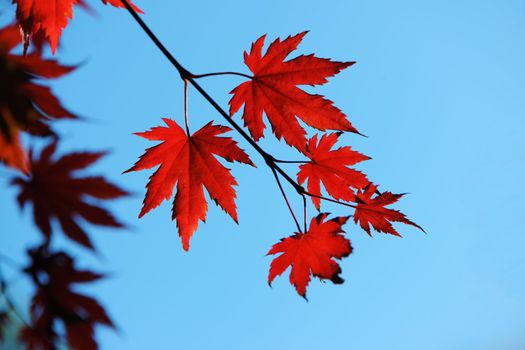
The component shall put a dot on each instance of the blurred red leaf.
(55, 192)
(50, 17)
(312, 253)
(189, 163)
(273, 91)
(55, 275)
(25, 105)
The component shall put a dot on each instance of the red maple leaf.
(273, 90)
(312, 253)
(331, 168)
(372, 211)
(56, 193)
(54, 275)
(49, 17)
(189, 163)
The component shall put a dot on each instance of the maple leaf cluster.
(60, 196)
(187, 162)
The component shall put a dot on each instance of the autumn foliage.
(190, 164)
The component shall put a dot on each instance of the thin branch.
(198, 76)
(182, 71)
(286, 199)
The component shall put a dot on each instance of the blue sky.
(438, 87)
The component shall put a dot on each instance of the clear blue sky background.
(439, 89)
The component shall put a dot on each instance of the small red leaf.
(372, 211)
(331, 167)
(312, 253)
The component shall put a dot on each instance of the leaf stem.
(286, 199)
(304, 212)
(198, 76)
(186, 119)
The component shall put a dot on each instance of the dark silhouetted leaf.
(56, 193)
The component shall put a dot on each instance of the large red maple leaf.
(372, 211)
(56, 193)
(312, 253)
(50, 17)
(189, 163)
(55, 276)
(331, 167)
(273, 90)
